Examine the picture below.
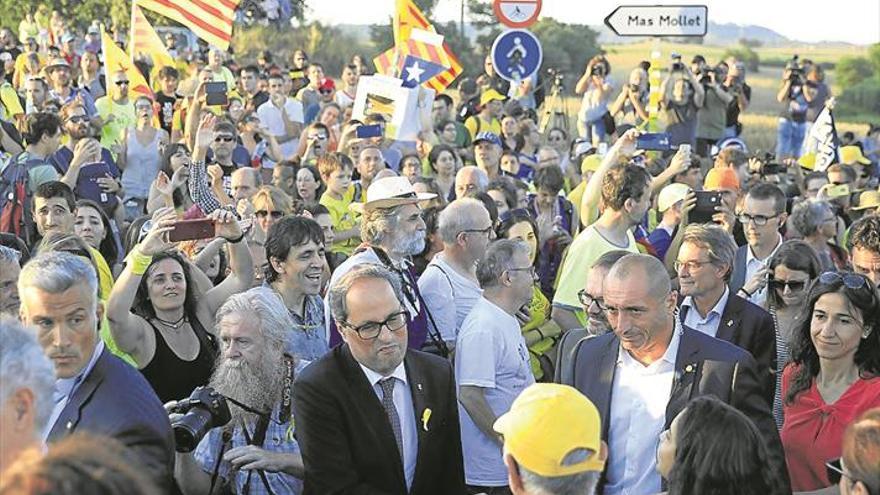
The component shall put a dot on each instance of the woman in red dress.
(834, 375)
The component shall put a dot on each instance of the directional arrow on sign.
(659, 20)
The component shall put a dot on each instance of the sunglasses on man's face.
(224, 139)
(121, 83)
(78, 119)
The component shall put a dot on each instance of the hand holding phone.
(658, 141)
(216, 93)
(369, 131)
(704, 208)
(186, 230)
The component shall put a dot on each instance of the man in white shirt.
(492, 362)
(283, 116)
(643, 374)
(345, 96)
(449, 283)
(762, 216)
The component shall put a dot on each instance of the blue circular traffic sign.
(516, 54)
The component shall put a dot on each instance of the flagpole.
(131, 32)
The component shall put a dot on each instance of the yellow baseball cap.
(547, 422)
(491, 95)
(850, 155)
(868, 199)
(590, 163)
(807, 161)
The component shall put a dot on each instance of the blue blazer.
(703, 366)
(116, 401)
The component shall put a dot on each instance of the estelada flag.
(426, 45)
(210, 20)
(406, 17)
(115, 60)
(145, 41)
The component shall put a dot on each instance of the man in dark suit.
(372, 416)
(704, 263)
(95, 391)
(643, 374)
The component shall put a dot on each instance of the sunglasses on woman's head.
(850, 280)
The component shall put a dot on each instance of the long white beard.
(258, 386)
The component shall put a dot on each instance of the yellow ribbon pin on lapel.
(426, 415)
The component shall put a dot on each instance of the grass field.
(760, 120)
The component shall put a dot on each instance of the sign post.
(659, 20)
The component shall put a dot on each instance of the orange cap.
(721, 178)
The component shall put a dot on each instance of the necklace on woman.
(173, 324)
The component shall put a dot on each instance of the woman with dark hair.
(160, 313)
(712, 448)
(791, 271)
(411, 166)
(170, 187)
(443, 163)
(833, 374)
(136, 231)
(309, 186)
(540, 332)
(94, 227)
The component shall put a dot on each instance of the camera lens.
(189, 430)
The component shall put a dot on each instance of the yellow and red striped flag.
(116, 60)
(407, 17)
(210, 20)
(145, 41)
(427, 46)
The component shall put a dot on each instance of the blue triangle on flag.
(417, 70)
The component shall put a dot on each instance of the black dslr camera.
(677, 65)
(205, 409)
(598, 70)
(795, 73)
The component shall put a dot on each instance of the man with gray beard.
(258, 452)
(392, 230)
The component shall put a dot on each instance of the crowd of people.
(250, 297)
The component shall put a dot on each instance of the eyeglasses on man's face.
(760, 220)
(372, 329)
(587, 299)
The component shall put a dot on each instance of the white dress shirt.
(270, 117)
(639, 395)
(753, 264)
(65, 387)
(404, 405)
(709, 324)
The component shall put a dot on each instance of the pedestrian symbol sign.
(516, 54)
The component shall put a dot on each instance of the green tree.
(874, 57)
(77, 13)
(567, 47)
(850, 71)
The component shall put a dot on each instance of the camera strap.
(286, 410)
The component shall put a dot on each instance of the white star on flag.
(415, 72)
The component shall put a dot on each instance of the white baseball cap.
(671, 194)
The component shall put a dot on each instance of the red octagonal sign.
(517, 13)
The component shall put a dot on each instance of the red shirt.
(813, 430)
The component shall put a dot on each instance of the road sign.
(516, 54)
(517, 13)
(659, 20)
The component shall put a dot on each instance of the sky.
(853, 21)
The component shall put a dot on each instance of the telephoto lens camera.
(794, 68)
(677, 66)
(203, 410)
(598, 70)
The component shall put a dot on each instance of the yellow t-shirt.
(475, 124)
(10, 105)
(586, 248)
(539, 308)
(123, 117)
(343, 219)
(105, 282)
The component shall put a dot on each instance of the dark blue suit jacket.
(115, 400)
(347, 442)
(703, 366)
